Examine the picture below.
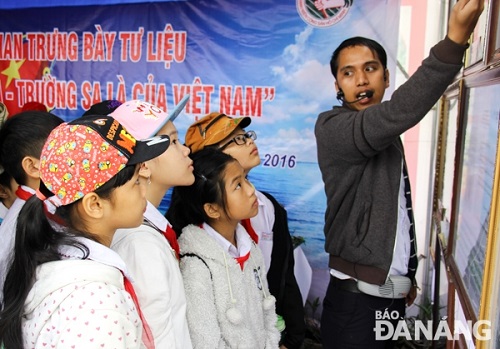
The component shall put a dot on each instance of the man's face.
(360, 71)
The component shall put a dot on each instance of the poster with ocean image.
(268, 60)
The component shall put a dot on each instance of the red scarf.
(147, 335)
(23, 194)
(253, 235)
(242, 259)
(172, 239)
(248, 227)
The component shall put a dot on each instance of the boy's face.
(360, 70)
(246, 154)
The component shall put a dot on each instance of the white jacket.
(226, 307)
(80, 304)
(157, 280)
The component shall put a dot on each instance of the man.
(369, 229)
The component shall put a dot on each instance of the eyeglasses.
(241, 139)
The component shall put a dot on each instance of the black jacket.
(281, 279)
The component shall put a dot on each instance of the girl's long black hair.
(36, 243)
(186, 205)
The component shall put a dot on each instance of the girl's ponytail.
(33, 244)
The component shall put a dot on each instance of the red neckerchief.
(242, 259)
(171, 237)
(147, 335)
(248, 227)
(23, 194)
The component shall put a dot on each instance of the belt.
(349, 285)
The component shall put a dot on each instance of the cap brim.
(178, 108)
(245, 121)
(149, 149)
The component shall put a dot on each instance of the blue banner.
(264, 59)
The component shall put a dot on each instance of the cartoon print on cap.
(80, 156)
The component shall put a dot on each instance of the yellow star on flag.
(12, 72)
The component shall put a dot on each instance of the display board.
(475, 188)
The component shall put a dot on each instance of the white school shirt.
(243, 241)
(8, 237)
(158, 280)
(3, 211)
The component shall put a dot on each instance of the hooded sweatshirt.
(227, 306)
(76, 303)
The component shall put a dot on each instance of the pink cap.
(143, 119)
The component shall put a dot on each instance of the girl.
(151, 250)
(228, 302)
(271, 223)
(65, 287)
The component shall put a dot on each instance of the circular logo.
(323, 13)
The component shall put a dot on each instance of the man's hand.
(463, 19)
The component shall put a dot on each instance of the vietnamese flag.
(18, 69)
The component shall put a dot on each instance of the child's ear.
(30, 165)
(144, 170)
(92, 205)
(212, 210)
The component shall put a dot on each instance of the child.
(7, 183)
(7, 192)
(65, 287)
(271, 223)
(21, 140)
(151, 250)
(228, 302)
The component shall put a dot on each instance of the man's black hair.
(374, 46)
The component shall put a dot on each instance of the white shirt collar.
(97, 252)
(153, 216)
(243, 241)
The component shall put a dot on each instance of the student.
(65, 287)
(271, 224)
(369, 223)
(7, 192)
(7, 184)
(21, 140)
(228, 301)
(151, 250)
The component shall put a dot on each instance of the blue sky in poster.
(254, 43)
(248, 43)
